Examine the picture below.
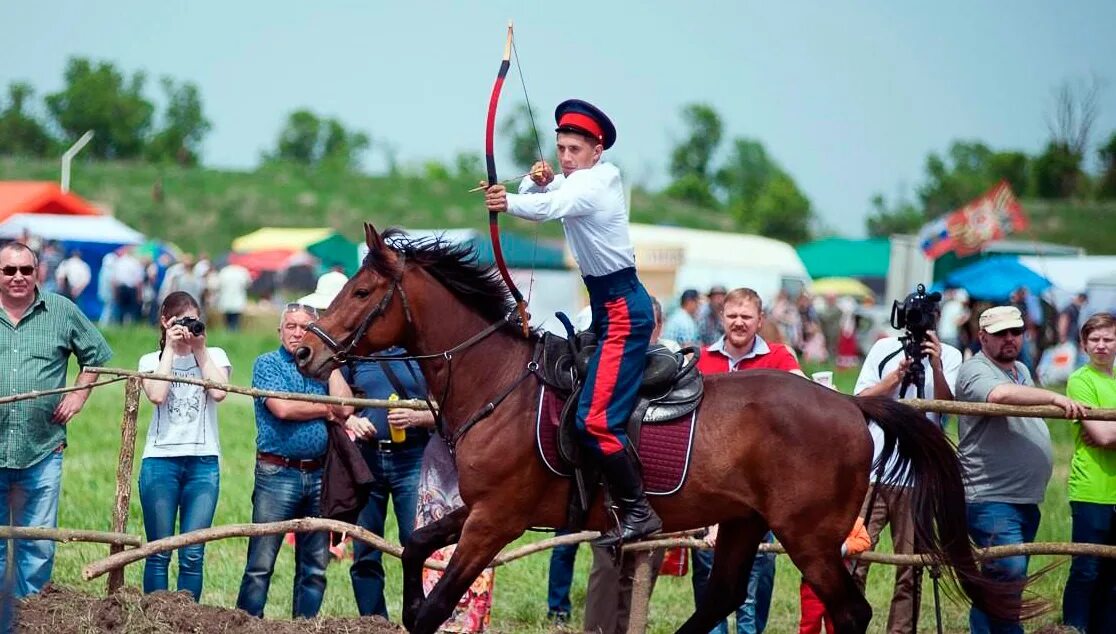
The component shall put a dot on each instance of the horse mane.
(479, 287)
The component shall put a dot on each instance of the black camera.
(193, 324)
(918, 312)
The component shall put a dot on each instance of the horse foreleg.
(737, 541)
(422, 544)
(482, 537)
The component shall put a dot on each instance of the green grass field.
(520, 593)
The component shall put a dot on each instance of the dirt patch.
(60, 610)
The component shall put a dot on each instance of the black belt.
(386, 445)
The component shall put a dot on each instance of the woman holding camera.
(180, 475)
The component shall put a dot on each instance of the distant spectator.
(1007, 461)
(1089, 600)
(681, 326)
(785, 316)
(39, 332)
(31, 241)
(73, 276)
(49, 260)
(106, 292)
(953, 317)
(1069, 324)
(709, 316)
(1021, 300)
(232, 294)
(149, 293)
(830, 318)
(128, 278)
(180, 277)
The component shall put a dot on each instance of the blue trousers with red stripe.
(623, 320)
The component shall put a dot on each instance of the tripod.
(916, 373)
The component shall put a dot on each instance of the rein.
(343, 353)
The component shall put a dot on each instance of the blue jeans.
(396, 474)
(560, 578)
(30, 498)
(995, 524)
(1089, 601)
(183, 488)
(283, 493)
(751, 616)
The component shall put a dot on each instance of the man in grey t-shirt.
(1006, 460)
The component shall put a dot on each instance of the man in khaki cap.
(1006, 460)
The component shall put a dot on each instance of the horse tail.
(929, 459)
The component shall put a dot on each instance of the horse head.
(369, 314)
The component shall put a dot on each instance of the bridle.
(343, 350)
(343, 354)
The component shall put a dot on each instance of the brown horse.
(772, 450)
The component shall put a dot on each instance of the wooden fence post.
(641, 592)
(124, 473)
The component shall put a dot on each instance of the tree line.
(98, 96)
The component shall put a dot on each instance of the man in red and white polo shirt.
(742, 348)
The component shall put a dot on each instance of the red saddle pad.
(664, 448)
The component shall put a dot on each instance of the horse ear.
(371, 237)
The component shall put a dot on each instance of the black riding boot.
(625, 487)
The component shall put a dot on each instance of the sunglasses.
(1014, 332)
(25, 271)
(306, 308)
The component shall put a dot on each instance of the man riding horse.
(588, 198)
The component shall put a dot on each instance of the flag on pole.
(965, 231)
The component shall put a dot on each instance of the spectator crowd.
(980, 354)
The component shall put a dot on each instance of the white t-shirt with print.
(185, 424)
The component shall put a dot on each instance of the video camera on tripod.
(916, 314)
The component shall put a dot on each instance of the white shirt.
(591, 205)
(232, 288)
(128, 271)
(75, 271)
(870, 375)
(185, 424)
(948, 328)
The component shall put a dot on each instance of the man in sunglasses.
(291, 440)
(38, 333)
(1006, 460)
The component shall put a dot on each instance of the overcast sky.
(849, 97)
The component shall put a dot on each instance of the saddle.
(671, 388)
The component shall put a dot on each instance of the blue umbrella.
(994, 279)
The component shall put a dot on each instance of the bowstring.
(538, 146)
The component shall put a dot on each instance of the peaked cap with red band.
(575, 115)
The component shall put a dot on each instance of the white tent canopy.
(71, 228)
(705, 258)
(1070, 275)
